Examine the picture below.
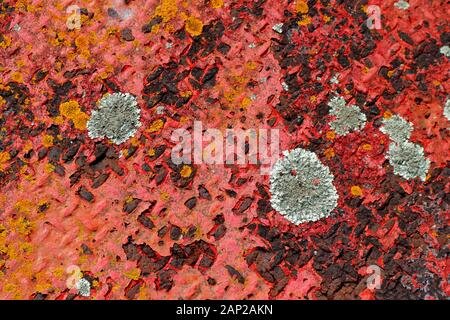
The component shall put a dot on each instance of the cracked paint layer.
(125, 222)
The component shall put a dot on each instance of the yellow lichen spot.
(186, 94)
(10, 287)
(20, 63)
(387, 114)
(43, 287)
(156, 126)
(49, 168)
(194, 26)
(128, 199)
(6, 42)
(23, 206)
(134, 141)
(216, 4)
(28, 146)
(133, 274)
(155, 28)
(80, 120)
(26, 247)
(313, 99)
(69, 109)
(4, 157)
(167, 10)
(329, 153)
(22, 226)
(305, 21)
(251, 65)
(47, 141)
(301, 6)
(326, 18)
(356, 191)
(183, 16)
(2, 101)
(246, 102)
(229, 96)
(330, 135)
(85, 54)
(151, 152)
(367, 147)
(165, 196)
(390, 73)
(186, 171)
(58, 120)
(17, 77)
(82, 42)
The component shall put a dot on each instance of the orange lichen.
(133, 274)
(356, 191)
(49, 168)
(301, 6)
(80, 120)
(194, 26)
(246, 102)
(82, 42)
(186, 171)
(17, 77)
(4, 158)
(21, 226)
(216, 4)
(165, 196)
(305, 21)
(329, 153)
(330, 135)
(6, 42)
(69, 109)
(23, 206)
(47, 141)
(387, 114)
(156, 126)
(167, 10)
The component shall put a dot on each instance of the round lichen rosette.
(117, 118)
(302, 187)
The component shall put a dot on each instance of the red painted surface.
(45, 226)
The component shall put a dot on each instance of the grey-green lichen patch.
(84, 287)
(408, 160)
(302, 187)
(347, 118)
(117, 118)
(447, 109)
(397, 128)
(401, 5)
(445, 50)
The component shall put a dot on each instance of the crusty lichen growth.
(84, 287)
(408, 160)
(347, 118)
(117, 118)
(397, 128)
(447, 109)
(302, 187)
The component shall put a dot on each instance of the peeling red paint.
(82, 202)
